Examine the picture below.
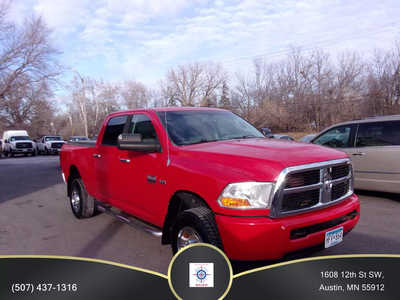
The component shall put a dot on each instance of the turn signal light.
(234, 202)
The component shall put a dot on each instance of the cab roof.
(162, 109)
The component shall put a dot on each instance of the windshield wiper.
(244, 137)
(202, 141)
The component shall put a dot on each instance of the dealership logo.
(201, 274)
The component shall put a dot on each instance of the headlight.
(247, 195)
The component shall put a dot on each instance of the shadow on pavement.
(94, 246)
(20, 176)
(390, 196)
(354, 243)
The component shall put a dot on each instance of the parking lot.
(35, 218)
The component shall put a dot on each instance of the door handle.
(97, 155)
(125, 160)
(359, 153)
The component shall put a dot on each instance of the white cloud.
(143, 38)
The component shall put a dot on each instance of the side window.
(115, 127)
(378, 134)
(338, 137)
(142, 124)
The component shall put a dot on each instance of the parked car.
(207, 175)
(17, 142)
(374, 147)
(50, 144)
(266, 131)
(308, 138)
(281, 137)
(78, 139)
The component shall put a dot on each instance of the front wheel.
(195, 225)
(82, 204)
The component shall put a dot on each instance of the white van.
(17, 142)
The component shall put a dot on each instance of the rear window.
(115, 127)
(378, 134)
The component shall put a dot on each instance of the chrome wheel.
(75, 200)
(186, 236)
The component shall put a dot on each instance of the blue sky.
(140, 39)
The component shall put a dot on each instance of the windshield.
(20, 138)
(196, 126)
(79, 138)
(53, 138)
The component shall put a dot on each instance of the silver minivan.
(374, 147)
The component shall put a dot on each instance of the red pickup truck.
(207, 175)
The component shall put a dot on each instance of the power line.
(309, 46)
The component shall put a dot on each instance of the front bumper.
(55, 150)
(23, 150)
(262, 238)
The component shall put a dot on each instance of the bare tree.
(28, 65)
(135, 94)
(91, 101)
(193, 84)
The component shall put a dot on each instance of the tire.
(201, 221)
(46, 151)
(82, 207)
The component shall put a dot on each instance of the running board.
(130, 220)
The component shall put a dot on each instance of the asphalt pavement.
(35, 218)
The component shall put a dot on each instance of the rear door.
(376, 162)
(106, 156)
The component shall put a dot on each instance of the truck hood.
(259, 158)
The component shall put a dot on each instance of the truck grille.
(23, 145)
(56, 145)
(307, 187)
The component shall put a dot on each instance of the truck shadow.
(242, 266)
(390, 196)
(95, 245)
(359, 243)
(21, 176)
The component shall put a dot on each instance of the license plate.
(333, 237)
(25, 150)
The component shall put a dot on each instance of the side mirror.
(136, 143)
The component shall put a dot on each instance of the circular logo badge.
(200, 271)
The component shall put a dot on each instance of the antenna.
(166, 127)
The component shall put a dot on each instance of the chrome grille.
(302, 178)
(23, 145)
(56, 145)
(306, 187)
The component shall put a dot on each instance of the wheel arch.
(73, 173)
(180, 201)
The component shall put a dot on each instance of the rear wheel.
(82, 204)
(195, 225)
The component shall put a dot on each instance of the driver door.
(339, 137)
